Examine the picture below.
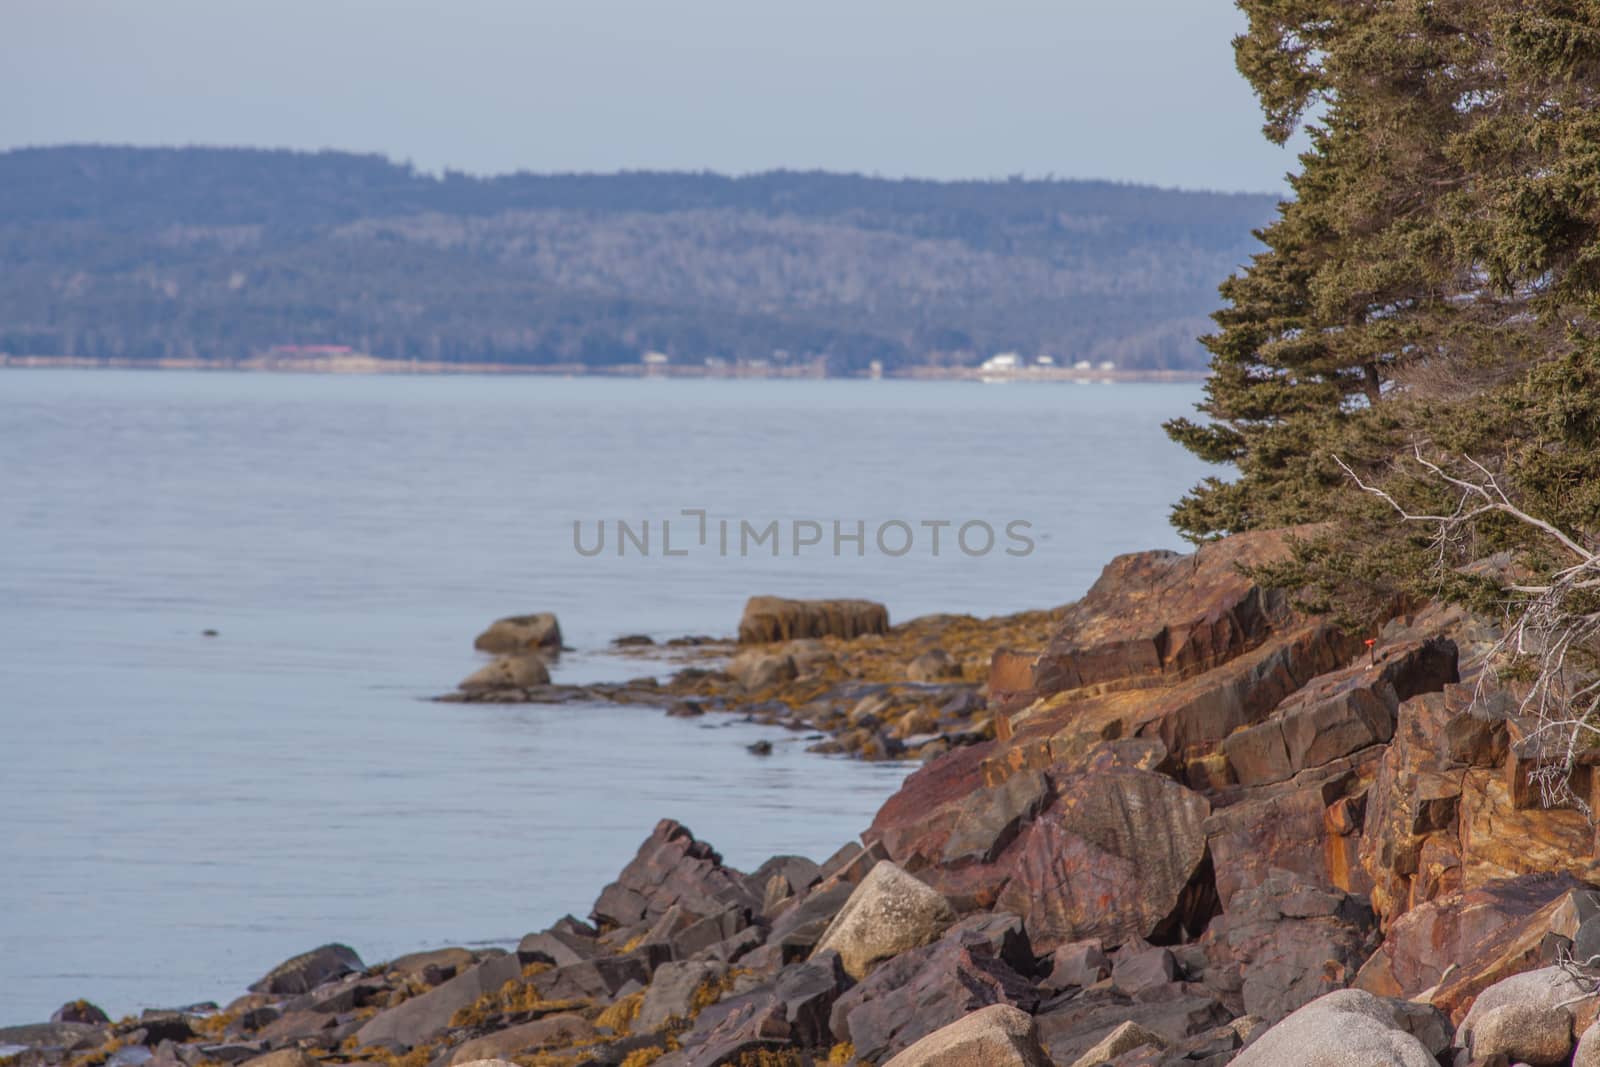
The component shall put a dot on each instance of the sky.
(1130, 90)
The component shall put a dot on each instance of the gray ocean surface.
(178, 813)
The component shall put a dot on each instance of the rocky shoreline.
(833, 670)
(1175, 823)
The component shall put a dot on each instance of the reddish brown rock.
(672, 868)
(1340, 712)
(920, 991)
(771, 618)
(1155, 617)
(1191, 717)
(1415, 794)
(1288, 942)
(1502, 839)
(1478, 936)
(1284, 826)
(1115, 857)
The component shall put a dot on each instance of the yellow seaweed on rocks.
(619, 1016)
(514, 996)
(787, 1057)
(420, 1056)
(643, 1057)
(213, 1025)
(712, 990)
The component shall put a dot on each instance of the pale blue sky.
(1135, 90)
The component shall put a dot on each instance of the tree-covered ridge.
(151, 253)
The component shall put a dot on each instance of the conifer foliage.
(1433, 282)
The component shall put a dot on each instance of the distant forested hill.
(220, 253)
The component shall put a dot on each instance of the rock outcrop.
(772, 618)
(521, 633)
(1193, 828)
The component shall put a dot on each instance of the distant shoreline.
(358, 364)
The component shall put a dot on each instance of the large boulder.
(1120, 854)
(1286, 826)
(672, 868)
(888, 913)
(996, 1036)
(771, 618)
(1346, 1028)
(521, 671)
(303, 973)
(1190, 715)
(521, 633)
(1527, 1017)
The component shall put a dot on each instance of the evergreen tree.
(1438, 259)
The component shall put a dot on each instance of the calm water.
(179, 813)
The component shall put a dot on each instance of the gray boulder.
(888, 913)
(1587, 1053)
(1526, 1016)
(1345, 1028)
